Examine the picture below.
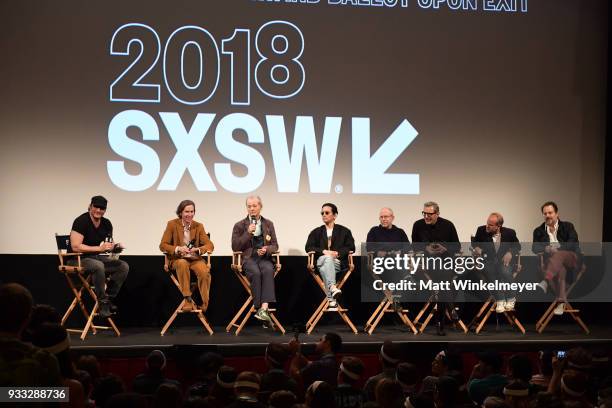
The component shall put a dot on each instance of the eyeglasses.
(426, 214)
(325, 212)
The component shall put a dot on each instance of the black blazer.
(509, 243)
(567, 236)
(341, 241)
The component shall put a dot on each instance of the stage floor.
(253, 339)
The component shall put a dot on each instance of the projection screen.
(479, 105)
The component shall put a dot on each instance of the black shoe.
(104, 310)
(112, 306)
(454, 315)
(440, 329)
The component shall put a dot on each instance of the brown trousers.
(202, 271)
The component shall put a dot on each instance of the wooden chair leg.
(421, 313)
(204, 322)
(484, 320)
(377, 316)
(277, 323)
(545, 315)
(247, 315)
(476, 320)
(346, 319)
(374, 316)
(548, 317)
(171, 319)
(239, 313)
(317, 313)
(426, 322)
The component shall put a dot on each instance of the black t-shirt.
(92, 236)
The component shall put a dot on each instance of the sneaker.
(510, 303)
(333, 305)
(543, 286)
(559, 309)
(104, 310)
(335, 292)
(500, 306)
(263, 315)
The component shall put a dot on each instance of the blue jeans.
(328, 268)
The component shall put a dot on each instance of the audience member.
(347, 393)
(147, 383)
(22, 364)
(389, 357)
(276, 379)
(246, 387)
(222, 390)
(486, 378)
(54, 338)
(306, 372)
(208, 366)
(320, 395)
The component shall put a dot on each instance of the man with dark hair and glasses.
(92, 235)
(331, 244)
(437, 237)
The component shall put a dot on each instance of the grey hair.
(246, 202)
(434, 205)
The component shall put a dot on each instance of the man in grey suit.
(256, 238)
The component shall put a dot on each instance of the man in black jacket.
(437, 237)
(331, 244)
(557, 242)
(499, 245)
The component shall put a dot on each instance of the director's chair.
(245, 312)
(84, 284)
(386, 305)
(323, 306)
(197, 310)
(430, 308)
(489, 306)
(575, 313)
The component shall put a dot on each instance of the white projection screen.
(480, 105)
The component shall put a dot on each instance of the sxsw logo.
(369, 169)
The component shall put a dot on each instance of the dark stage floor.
(254, 338)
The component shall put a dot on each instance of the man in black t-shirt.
(92, 235)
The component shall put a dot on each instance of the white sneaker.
(335, 292)
(559, 309)
(510, 304)
(543, 285)
(500, 306)
(333, 305)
